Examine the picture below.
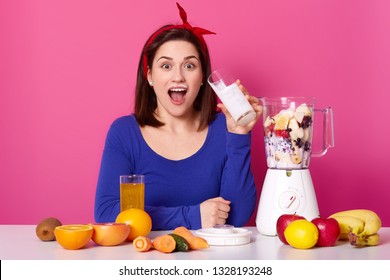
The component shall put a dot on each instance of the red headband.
(198, 31)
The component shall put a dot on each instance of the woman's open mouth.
(177, 94)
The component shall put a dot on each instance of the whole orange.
(139, 220)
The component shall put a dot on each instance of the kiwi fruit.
(45, 229)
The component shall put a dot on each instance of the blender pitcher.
(288, 130)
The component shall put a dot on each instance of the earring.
(201, 84)
(150, 83)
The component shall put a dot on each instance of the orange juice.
(132, 195)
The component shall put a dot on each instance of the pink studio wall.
(67, 70)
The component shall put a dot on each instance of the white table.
(19, 242)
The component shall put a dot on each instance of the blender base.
(285, 192)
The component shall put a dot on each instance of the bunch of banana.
(359, 226)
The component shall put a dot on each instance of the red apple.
(283, 221)
(328, 231)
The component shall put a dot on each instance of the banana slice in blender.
(278, 155)
(299, 116)
(290, 112)
(296, 155)
(296, 159)
(281, 123)
(303, 108)
(306, 134)
(268, 121)
(297, 133)
(293, 124)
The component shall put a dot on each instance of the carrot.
(142, 243)
(164, 243)
(195, 242)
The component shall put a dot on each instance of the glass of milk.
(232, 97)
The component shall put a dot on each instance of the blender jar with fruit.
(288, 187)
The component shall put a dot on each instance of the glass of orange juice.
(132, 191)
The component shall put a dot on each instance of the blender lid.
(225, 235)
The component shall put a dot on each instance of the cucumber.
(181, 244)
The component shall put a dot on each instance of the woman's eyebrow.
(165, 57)
(191, 56)
(170, 58)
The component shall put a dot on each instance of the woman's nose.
(178, 75)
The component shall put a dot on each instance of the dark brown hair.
(145, 98)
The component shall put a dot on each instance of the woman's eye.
(165, 66)
(189, 66)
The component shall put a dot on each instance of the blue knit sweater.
(174, 189)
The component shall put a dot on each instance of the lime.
(301, 234)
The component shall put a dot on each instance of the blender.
(288, 187)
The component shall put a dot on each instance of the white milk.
(236, 103)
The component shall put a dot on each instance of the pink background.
(67, 70)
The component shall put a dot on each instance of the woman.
(196, 160)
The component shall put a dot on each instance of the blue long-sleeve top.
(174, 189)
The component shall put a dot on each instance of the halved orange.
(110, 234)
(73, 237)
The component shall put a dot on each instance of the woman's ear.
(149, 77)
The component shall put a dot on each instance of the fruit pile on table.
(359, 226)
(133, 225)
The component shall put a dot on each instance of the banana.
(268, 121)
(373, 240)
(372, 222)
(293, 124)
(369, 240)
(349, 224)
(281, 123)
(303, 109)
(358, 236)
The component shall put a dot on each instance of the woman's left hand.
(231, 124)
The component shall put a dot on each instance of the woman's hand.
(231, 124)
(214, 211)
